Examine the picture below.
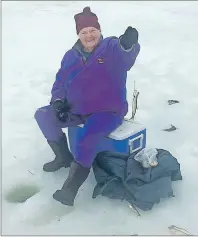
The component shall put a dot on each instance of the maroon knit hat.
(86, 19)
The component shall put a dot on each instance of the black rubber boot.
(77, 175)
(63, 155)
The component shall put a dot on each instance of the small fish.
(170, 102)
(134, 103)
(174, 230)
(172, 128)
(132, 206)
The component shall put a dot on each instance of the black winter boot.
(63, 155)
(77, 175)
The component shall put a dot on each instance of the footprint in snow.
(54, 211)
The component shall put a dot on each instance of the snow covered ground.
(35, 37)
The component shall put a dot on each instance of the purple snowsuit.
(96, 92)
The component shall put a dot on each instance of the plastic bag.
(148, 157)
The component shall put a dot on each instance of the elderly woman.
(90, 89)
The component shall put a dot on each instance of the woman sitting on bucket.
(90, 89)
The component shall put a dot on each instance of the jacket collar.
(79, 47)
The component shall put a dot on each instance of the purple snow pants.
(96, 126)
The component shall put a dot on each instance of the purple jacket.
(99, 84)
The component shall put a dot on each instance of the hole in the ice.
(21, 193)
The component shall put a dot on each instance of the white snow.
(35, 37)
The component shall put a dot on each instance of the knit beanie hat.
(86, 19)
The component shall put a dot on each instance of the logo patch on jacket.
(100, 60)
